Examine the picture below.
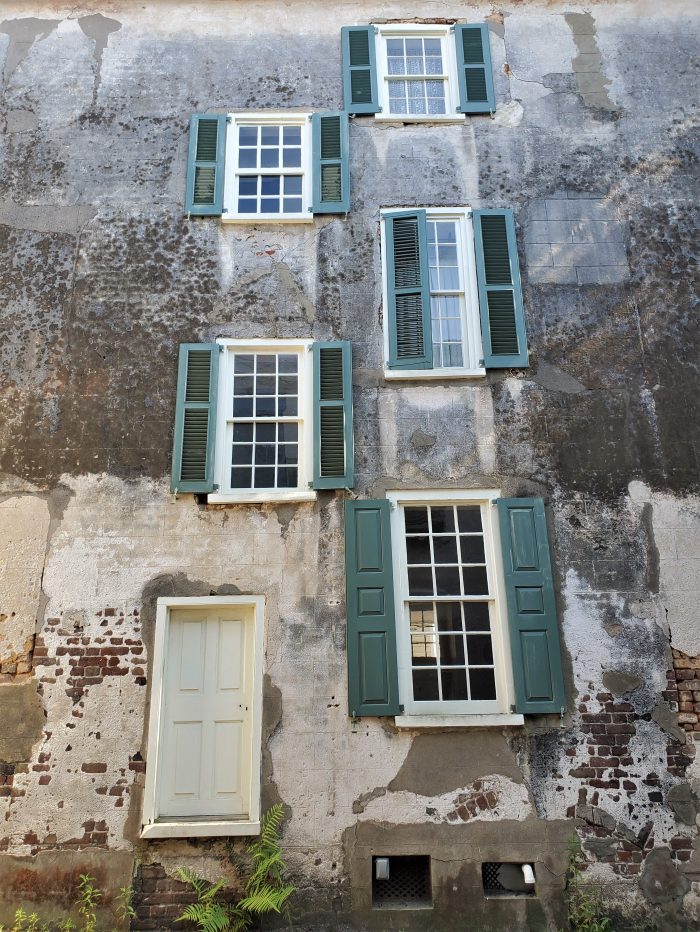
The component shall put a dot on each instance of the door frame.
(152, 825)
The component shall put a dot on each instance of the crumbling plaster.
(104, 277)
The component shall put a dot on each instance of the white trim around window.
(443, 712)
(303, 418)
(189, 819)
(467, 293)
(412, 31)
(259, 165)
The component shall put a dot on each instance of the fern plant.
(264, 890)
(584, 901)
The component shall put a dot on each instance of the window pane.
(248, 186)
(292, 205)
(398, 106)
(414, 46)
(243, 363)
(483, 684)
(421, 617)
(265, 384)
(432, 46)
(247, 158)
(242, 455)
(270, 184)
(265, 433)
(472, 549)
(264, 478)
(287, 363)
(288, 433)
(242, 433)
(265, 454)
(454, 684)
(265, 407)
(243, 385)
(246, 206)
(291, 158)
(446, 231)
(423, 650)
(416, 520)
(442, 519)
(292, 184)
(418, 549)
(452, 650)
(477, 616)
(247, 135)
(445, 549)
(425, 685)
(475, 580)
(287, 478)
(449, 615)
(469, 518)
(288, 454)
(288, 385)
(447, 580)
(287, 407)
(270, 135)
(241, 478)
(420, 581)
(242, 407)
(269, 158)
(479, 649)
(269, 206)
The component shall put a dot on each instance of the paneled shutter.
(532, 615)
(476, 91)
(331, 172)
(333, 442)
(359, 69)
(205, 165)
(408, 290)
(195, 418)
(500, 294)
(371, 625)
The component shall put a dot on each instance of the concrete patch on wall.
(24, 527)
(587, 64)
(21, 721)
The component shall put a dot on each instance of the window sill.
(459, 721)
(392, 374)
(295, 495)
(255, 219)
(196, 829)
(420, 118)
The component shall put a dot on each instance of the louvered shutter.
(408, 290)
(331, 170)
(332, 398)
(371, 626)
(205, 165)
(476, 91)
(359, 69)
(195, 418)
(500, 294)
(532, 614)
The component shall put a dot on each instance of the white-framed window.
(451, 623)
(268, 167)
(205, 725)
(417, 73)
(454, 297)
(264, 421)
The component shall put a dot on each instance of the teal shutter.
(333, 443)
(500, 294)
(476, 91)
(532, 614)
(359, 69)
(204, 195)
(408, 290)
(195, 418)
(371, 626)
(331, 171)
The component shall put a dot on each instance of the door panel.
(205, 754)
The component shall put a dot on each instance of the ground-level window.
(203, 763)
(450, 631)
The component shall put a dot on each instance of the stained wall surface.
(594, 146)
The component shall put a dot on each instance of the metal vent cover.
(500, 878)
(408, 885)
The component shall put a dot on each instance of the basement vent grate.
(503, 879)
(406, 887)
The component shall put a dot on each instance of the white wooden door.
(204, 766)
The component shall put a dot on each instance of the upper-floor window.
(268, 166)
(417, 72)
(452, 297)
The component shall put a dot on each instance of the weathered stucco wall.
(102, 277)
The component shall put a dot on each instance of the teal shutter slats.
(359, 69)
(371, 626)
(204, 196)
(331, 171)
(195, 418)
(500, 293)
(476, 91)
(532, 616)
(408, 290)
(332, 399)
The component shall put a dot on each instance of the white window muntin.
(224, 414)
(153, 825)
(445, 34)
(234, 172)
(468, 293)
(496, 599)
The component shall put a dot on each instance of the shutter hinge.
(188, 215)
(452, 27)
(376, 30)
(561, 717)
(229, 118)
(482, 363)
(400, 709)
(215, 487)
(512, 709)
(221, 347)
(224, 210)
